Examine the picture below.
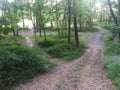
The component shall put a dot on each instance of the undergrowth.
(112, 59)
(107, 26)
(59, 48)
(19, 63)
(89, 29)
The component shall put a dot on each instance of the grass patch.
(107, 26)
(59, 48)
(89, 29)
(11, 40)
(113, 48)
(112, 59)
(112, 67)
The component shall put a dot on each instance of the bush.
(113, 48)
(19, 63)
(107, 26)
(29, 56)
(11, 40)
(72, 54)
(65, 52)
(56, 50)
(112, 67)
(46, 43)
(58, 47)
(90, 29)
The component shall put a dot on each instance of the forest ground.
(84, 73)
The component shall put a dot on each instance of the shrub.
(19, 63)
(112, 67)
(56, 50)
(11, 40)
(29, 56)
(110, 37)
(53, 39)
(58, 47)
(112, 56)
(46, 43)
(113, 48)
(107, 26)
(71, 54)
(90, 29)
(65, 52)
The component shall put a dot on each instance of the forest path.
(28, 41)
(84, 73)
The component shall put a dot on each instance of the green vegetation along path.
(84, 73)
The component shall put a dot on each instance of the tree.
(69, 21)
(119, 17)
(75, 23)
(112, 13)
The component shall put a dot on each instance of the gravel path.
(84, 73)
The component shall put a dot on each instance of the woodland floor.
(84, 73)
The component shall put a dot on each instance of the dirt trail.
(84, 73)
(28, 41)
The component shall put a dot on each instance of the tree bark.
(57, 19)
(75, 25)
(119, 17)
(69, 22)
(112, 13)
(76, 32)
(23, 19)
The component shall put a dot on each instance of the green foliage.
(90, 29)
(59, 48)
(107, 26)
(110, 37)
(115, 30)
(11, 40)
(112, 67)
(56, 50)
(53, 39)
(46, 43)
(2, 37)
(113, 48)
(6, 30)
(71, 54)
(26, 28)
(19, 63)
(112, 59)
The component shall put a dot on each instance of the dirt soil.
(84, 73)
(28, 42)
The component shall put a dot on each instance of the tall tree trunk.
(14, 34)
(23, 19)
(57, 18)
(112, 13)
(51, 21)
(37, 21)
(80, 23)
(43, 27)
(76, 32)
(75, 25)
(119, 17)
(40, 26)
(44, 33)
(69, 21)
